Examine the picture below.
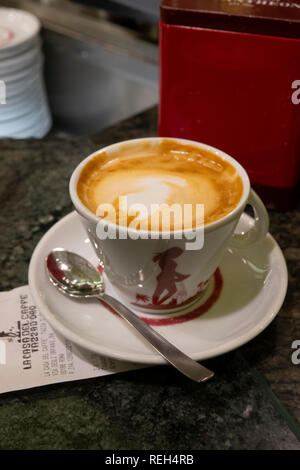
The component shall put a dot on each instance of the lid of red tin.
(268, 17)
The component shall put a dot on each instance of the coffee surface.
(157, 175)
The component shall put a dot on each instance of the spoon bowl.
(74, 275)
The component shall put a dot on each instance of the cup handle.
(260, 224)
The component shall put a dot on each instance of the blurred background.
(214, 83)
(101, 59)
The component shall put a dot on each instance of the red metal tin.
(236, 90)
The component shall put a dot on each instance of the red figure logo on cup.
(166, 280)
(170, 291)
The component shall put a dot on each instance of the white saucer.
(254, 287)
(21, 61)
(27, 125)
(15, 79)
(16, 94)
(14, 112)
(18, 31)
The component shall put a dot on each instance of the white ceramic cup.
(163, 275)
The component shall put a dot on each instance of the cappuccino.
(157, 175)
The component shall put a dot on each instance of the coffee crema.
(160, 173)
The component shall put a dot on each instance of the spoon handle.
(177, 358)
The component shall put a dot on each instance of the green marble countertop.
(253, 402)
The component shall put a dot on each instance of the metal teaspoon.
(76, 277)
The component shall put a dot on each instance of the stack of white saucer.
(24, 110)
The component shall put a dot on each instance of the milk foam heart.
(156, 175)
